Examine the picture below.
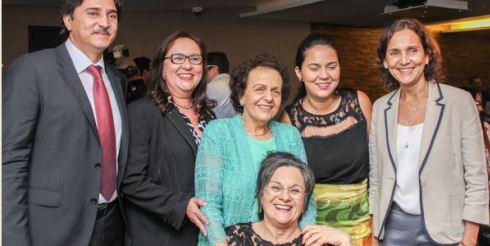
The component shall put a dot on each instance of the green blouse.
(226, 174)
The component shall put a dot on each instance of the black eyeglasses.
(180, 58)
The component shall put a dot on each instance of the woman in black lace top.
(334, 127)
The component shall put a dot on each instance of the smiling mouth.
(406, 71)
(185, 76)
(323, 86)
(265, 107)
(282, 208)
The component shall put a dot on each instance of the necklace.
(184, 107)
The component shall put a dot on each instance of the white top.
(81, 63)
(219, 89)
(407, 193)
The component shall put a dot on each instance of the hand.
(470, 234)
(221, 244)
(195, 215)
(374, 241)
(314, 235)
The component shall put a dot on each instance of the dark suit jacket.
(51, 151)
(159, 179)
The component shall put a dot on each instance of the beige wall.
(142, 32)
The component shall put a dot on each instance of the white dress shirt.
(82, 62)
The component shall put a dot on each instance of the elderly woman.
(428, 178)
(333, 123)
(284, 187)
(166, 128)
(232, 149)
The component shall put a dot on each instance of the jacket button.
(93, 201)
(97, 165)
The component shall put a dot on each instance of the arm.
(366, 106)
(309, 217)
(374, 168)
(476, 192)
(317, 235)
(209, 181)
(21, 108)
(470, 234)
(137, 185)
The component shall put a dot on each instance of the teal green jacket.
(226, 175)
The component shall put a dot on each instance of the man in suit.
(65, 137)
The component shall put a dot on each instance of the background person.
(166, 129)
(65, 137)
(232, 149)
(144, 67)
(333, 123)
(428, 182)
(136, 87)
(218, 87)
(284, 187)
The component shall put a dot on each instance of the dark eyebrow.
(98, 9)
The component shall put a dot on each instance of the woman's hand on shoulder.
(318, 235)
(221, 244)
(195, 215)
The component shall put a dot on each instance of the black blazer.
(159, 179)
(51, 151)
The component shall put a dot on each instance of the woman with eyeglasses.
(283, 188)
(166, 128)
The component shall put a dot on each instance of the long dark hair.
(160, 92)
(431, 48)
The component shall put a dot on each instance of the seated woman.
(232, 149)
(284, 187)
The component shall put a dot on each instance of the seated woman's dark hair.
(275, 160)
(239, 77)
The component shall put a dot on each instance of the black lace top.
(244, 235)
(336, 144)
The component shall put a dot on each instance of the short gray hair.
(271, 163)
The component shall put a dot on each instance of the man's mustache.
(102, 30)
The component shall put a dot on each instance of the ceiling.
(360, 13)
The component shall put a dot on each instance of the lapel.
(390, 120)
(433, 115)
(69, 76)
(182, 128)
(116, 85)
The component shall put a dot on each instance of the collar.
(79, 59)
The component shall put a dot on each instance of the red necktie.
(107, 136)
